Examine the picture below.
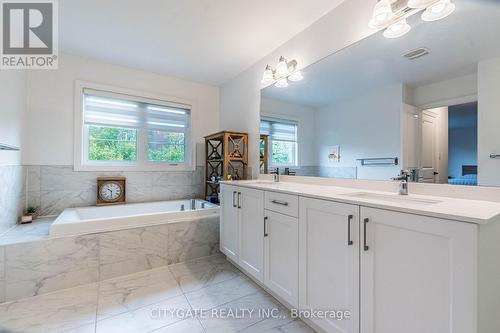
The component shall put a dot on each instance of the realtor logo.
(29, 34)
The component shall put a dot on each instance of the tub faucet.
(403, 185)
(193, 204)
(276, 175)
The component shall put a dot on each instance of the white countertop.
(465, 210)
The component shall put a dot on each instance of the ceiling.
(456, 44)
(209, 41)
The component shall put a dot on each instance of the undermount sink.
(392, 198)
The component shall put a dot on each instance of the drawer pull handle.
(349, 240)
(265, 226)
(234, 199)
(278, 202)
(365, 247)
(239, 199)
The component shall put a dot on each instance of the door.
(281, 256)
(329, 261)
(417, 274)
(250, 205)
(229, 222)
(428, 146)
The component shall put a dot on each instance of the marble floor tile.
(133, 291)
(62, 311)
(185, 326)
(146, 319)
(221, 293)
(199, 273)
(133, 250)
(242, 313)
(272, 325)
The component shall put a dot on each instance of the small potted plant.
(29, 215)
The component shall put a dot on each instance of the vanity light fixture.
(382, 14)
(420, 4)
(285, 71)
(438, 11)
(397, 29)
(391, 15)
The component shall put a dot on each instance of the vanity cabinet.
(417, 274)
(394, 272)
(329, 261)
(281, 249)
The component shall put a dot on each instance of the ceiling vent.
(418, 53)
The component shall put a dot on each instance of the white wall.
(305, 117)
(12, 113)
(488, 122)
(367, 126)
(240, 97)
(50, 104)
(459, 90)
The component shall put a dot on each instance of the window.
(123, 131)
(282, 141)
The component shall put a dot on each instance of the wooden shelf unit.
(226, 156)
(264, 154)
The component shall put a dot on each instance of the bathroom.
(235, 166)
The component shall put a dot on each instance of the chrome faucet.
(403, 185)
(276, 175)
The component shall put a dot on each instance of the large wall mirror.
(427, 102)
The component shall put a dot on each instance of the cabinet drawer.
(282, 203)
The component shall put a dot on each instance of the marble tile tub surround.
(125, 304)
(12, 199)
(55, 188)
(50, 264)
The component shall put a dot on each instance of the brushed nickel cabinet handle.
(279, 202)
(349, 240)
(265, 226)
(234, 199)
(239, 199)
(365, 222)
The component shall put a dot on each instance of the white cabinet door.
(417, 274)
(281, 256)
(329, 261)
(250, 204)
(229, 222)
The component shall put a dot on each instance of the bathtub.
(88, 220)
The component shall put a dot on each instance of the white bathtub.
(87, 220)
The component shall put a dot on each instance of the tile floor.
(144, 302)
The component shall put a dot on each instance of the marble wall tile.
(55, 188)
(54, 202)
(2, 274)
(12, 199)
(44, 266)
(338, 172)
(34, 173)
(193, 239)
(133, 250)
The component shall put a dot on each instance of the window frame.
(80, 158)
(277, 119)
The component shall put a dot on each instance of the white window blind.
(279, 130)
(282, 141)
(103, 108)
